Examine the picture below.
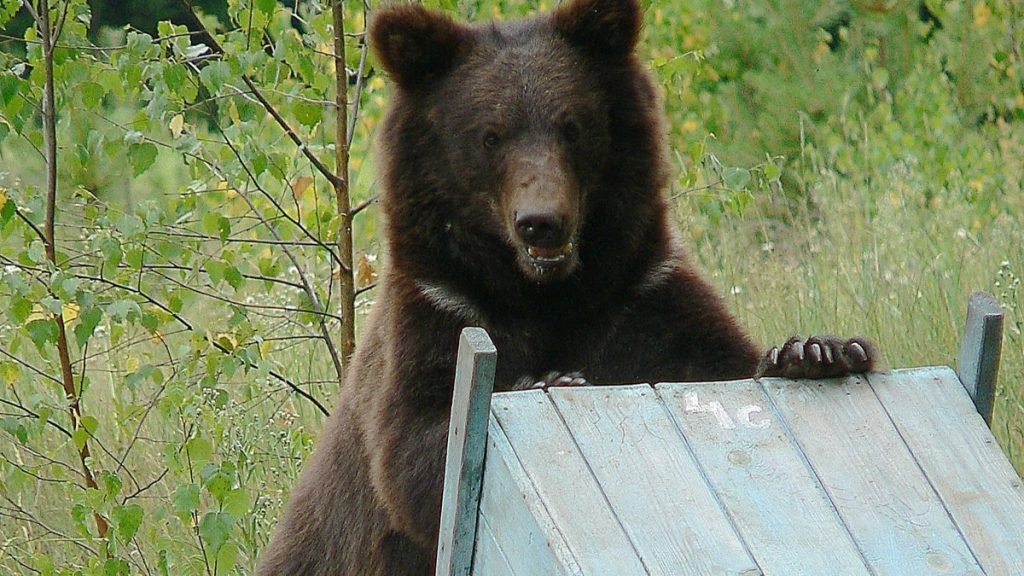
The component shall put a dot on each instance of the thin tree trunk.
(50, 153)
(341, 190)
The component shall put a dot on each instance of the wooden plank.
(489, 558)
(898, 522)
(467, 437)
(759, 474)
(565, 484)
(978, 364)
(524, 532)
(957, 452)
(651, 482)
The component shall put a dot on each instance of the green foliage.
(196, 265)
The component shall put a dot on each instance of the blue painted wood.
(882, 474)
(651, 483)
(524, 533)
(467, 435)
(897, 520)
(980, 350)
(952, 445)
(762, 479)
(489, 558)
(564, 483)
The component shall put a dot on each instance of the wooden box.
(886, 473)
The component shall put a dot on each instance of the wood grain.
(760, 475)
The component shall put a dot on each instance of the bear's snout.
(542, 206)
(541, 229)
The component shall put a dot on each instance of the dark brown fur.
(523, 171)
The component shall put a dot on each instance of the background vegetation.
(846, 165)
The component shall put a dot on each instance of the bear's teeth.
(549, 253)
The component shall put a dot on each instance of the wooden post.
(467, 437)
(978, 365)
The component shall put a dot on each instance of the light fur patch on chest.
(446, 298)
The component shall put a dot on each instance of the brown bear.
(523, 171)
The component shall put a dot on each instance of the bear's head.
(529, 144)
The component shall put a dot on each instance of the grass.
(897, 272)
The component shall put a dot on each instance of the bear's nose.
(541, 229)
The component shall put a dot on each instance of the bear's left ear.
(415, 44)
(609, 28)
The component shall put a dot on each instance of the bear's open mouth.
(550, 255)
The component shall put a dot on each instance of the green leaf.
(42, 332)
(175, 76)
(236, 503)
(169, 250)
(150, 322)
(198, 450)
(218, 486)
(139, 43)
(121, 310)
(141, 157)
(53, 305)
(9, 373)
(134, 257)
(20, 309)
(111, 484)
(162, 564)
(112, 252)
(308, 113)
(90, 424)
(227, 557)
(91, 94)
(79, 437)
(266, 6)
(185, 500)
(214, 75)
(126, 520)
(215, 528)
(7, 209)
(14, 428)
(736, 178)
(215, 224)
(116, 567)
(234, 277)
(87, 322)
(175, 303)
(216, 269)
(10, 85)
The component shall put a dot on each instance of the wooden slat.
(898, 522)
(982, 345)
(651, 482)
(524, 532)
(489, 558)
(761, 477)
(565, 484)
(953, 446)
(467, 435)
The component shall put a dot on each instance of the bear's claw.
(560, 379)
(818, 357)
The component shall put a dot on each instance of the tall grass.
(866, 258)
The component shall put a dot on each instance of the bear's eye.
(490, 139)
(571, 131)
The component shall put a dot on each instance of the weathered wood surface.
(978, 363)
(892, 473)
(467, 433)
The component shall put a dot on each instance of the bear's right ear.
(415, 44)
(608, 28)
